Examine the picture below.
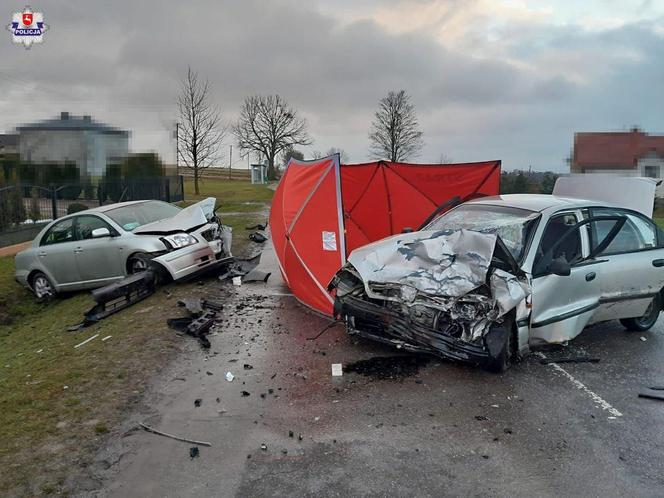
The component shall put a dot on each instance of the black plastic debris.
(246, 393)
(263, 446)
(203, 313)
(257, 237)
(194, 452)
(197, 402)
(247, 366)
(118, 296)
(291, 434)
(389, 367)
(481, 417)
(194, 305)
(257, 226)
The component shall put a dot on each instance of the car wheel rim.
(138, 265)
(43, 287)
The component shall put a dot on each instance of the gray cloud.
(122, 61)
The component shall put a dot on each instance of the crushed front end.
(444, 293)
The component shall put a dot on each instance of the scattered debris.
(195, 327)
(658, 397)
(291, 434)
(481, 417)
(177, 438)
(257, 237)
(247, 366)
(263, 446)
(197, 402)
(389, 367)
(106, 338)
(118, 296)
(229, 376)
(325, 329)
(246, 393)
(258, 226)
(209, 373)
(86, 341)
(337, 370)
(643, 339)
(194, 452)
(194, 305)
(237, 281)
(570, 359)
(256, 275)
(657, 388)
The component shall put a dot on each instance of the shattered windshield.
(512, 225)
(135, 215)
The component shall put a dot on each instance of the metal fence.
(25, 209)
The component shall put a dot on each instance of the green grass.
(49, 430)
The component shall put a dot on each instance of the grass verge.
(58, 403)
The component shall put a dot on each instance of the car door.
(562, 305)
(98, 258)
(56, 253)
(635, 264)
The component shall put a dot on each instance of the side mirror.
(560, 266)
(101, 232)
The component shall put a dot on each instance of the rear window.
(133, 216)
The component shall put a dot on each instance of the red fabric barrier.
(322, 210)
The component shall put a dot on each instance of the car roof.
(535, 202)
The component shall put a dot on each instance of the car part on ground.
(203, 314)
(449, 293)
(257, 237)
(118, 296)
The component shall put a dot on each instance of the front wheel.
(500, 342)
(647, 320)
(137, 263)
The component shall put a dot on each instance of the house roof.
(614, 150)
(8, 141)
(68, 121)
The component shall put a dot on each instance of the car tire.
(647, 320)
(138, 262)
(502, 336)
(42, 287)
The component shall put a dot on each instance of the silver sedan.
(95, 247)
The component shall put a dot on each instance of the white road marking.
(597, 399)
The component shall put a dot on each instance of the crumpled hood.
(193, 216)
(438, 262)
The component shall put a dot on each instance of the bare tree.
(201, 129)
(395, 133)
(268, 125)
(343, 156)
(444, 159)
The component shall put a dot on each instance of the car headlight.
(180, 240)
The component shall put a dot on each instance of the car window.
(135, 215)
(636, 234)
(62, 231)
(512, 225)
(86, 224)
(570, 248)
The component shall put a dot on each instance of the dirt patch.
(389, 367)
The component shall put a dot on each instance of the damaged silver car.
(99, 246)
(491, 278)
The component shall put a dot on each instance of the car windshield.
(135, 215)
(511, 224)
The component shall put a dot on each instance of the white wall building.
(80, 139)
(630, 153)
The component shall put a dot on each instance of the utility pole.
(230, 163)
(177, 149)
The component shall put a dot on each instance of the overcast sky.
(491, 79)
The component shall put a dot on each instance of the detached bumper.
(193, 259)
(375, 322)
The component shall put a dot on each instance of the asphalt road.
(447, 430)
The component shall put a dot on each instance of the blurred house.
(90, 144)
(629, 153)
(8, 145)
